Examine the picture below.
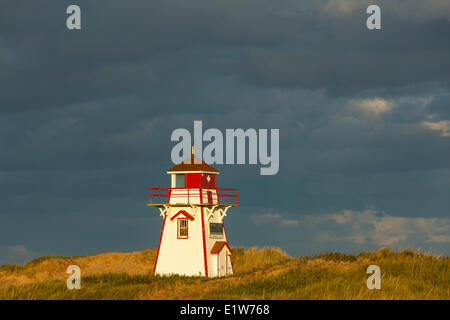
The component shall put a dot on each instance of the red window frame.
(178, 228)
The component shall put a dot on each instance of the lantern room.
(193, 174)
(193, 182)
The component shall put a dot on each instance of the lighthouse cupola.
(193, 173)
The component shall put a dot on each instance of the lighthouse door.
(222, 261)
(229, 267)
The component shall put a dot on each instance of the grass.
(266, 273)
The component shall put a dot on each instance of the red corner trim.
(226, 238)
(204, 235)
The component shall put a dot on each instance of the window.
(182, 228)
(210, 197)
(179, 181)
(216, 230)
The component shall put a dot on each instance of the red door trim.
(204, 246)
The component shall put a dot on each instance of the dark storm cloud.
(440, 107)
(122, 49)
(86, 118)
(126, 49)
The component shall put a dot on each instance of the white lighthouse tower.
(193, 238)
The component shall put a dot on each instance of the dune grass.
(266, 273)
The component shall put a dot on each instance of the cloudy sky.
(364, 119)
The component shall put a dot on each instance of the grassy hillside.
(267, 273)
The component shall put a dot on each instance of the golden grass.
(54, 267)
(266, 273)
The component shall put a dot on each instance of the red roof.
(218, 246)
(194, 165)
(187, 215)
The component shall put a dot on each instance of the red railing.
(223, 196)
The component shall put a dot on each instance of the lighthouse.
(193, 239)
